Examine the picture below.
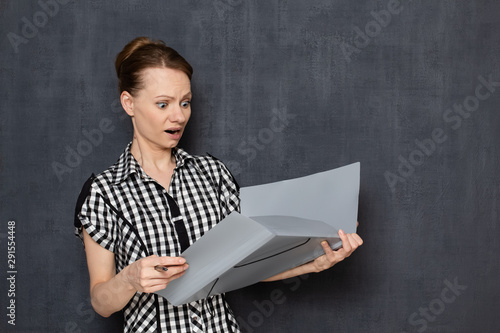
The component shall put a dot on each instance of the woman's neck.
(152, 159)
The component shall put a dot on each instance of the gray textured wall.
(407, 96)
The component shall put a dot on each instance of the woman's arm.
(350, 242)
(110, 292)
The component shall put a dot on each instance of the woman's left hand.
(350, 242)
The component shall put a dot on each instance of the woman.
(136, 217)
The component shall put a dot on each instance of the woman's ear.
(127, 103)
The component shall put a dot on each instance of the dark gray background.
(252, 59)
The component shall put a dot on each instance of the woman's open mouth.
(174, 133)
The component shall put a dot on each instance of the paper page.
(330, 197)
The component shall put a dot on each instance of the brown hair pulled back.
(142, 53)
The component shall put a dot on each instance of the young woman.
(136, 217)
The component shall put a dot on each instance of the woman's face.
(161, 109)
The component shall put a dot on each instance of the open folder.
(289, 219)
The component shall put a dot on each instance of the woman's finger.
(326, 247)
(160, 282)
(346, 245)
(358, 239)
(154, 260)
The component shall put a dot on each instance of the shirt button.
(195, 318)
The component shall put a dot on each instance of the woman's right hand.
(110, 292)
(146, 275)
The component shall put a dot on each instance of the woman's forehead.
(166, 81)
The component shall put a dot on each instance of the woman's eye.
(185, 104)
(161, 105)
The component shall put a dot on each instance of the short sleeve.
(230, 190)
(98, 219)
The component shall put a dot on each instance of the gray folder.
(289, 221)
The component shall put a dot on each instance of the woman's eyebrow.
(189, 94)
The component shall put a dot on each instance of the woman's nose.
(177, 115)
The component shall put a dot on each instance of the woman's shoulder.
(213, 167)
(96, 184)
(206, 163)
(99, 185)
(208, 160)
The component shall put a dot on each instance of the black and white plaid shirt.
(127, 212)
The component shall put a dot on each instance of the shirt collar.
(181, 157)
(127, 165)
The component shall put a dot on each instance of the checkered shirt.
(132, 215)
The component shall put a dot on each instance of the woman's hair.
(142, 53)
